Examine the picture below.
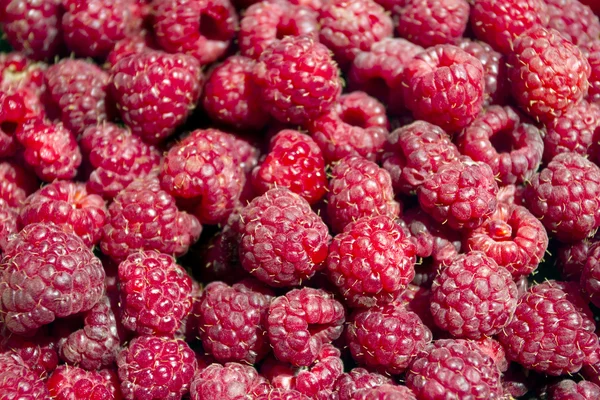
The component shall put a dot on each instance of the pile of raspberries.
(299, 199)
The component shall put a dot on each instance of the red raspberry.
(512, 237)
(47, 274)
(350, 26)
(548, 74)
(356, 381)
(568, 389)
(571, 258)
(590, 274)
(386, 392)
(201, 28)
(74, 383)
(413, 153)
(294, 161)
(386, 338)
(231, 381)
(518, 381)
(8, 223)
(155, 92)
(282, 394)
(461, 193)
(144, 217)
(565, 197)
(17, 108)
(355, 126)
(135, 44)
(594, 60)
(494, 349)
(454, 368)
(301, 322)
(549, 333)
(18, 381)
(499, 23)
(153, 367)
(359, 188)
(17, 71)
(444, 85)
(15, 183)
(38, 351)
(298, 79)
(431, 22)
(574, 21)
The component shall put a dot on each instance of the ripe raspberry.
(74, 383)
(17, 108)
(355, 126)
(154, 367)
(18, 381)
(573, 20)
(282, 394)
(294, 161)
(226, 382)
(356, 381)
(8, 223)
(454, 368)
(549, 333)
(144, 217)
(18, 71)
(461, 193)
(413, 153)
(301, 322)
(571, 258)
(298, 79)
(431, 22)
(135, 44)
(590, 274)
(565, 197)
(444, 85)
(350, 26)
(201, 28)
(568, 389)
(359, 188)
(594, 60)
(386, 392)
(47, 274)
(495, 351)
(155, 92)
(15, 183)
(38, 352)
(548, 74)
(386, 338)
(513, 238)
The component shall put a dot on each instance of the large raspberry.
(568, 389)
(47, 274)
(18, 381)
(574, 20)
(231, 381)
(74, 383)
(590, 274)
(16, 183)
(18, 108)
(38, 352)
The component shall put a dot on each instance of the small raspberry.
(18, 381)
(16, 183)
(282, 394)
(230, 381)
(568, 389)
(494, 349)
(590, 274)
(573, 20)
(301, 322)
(135, 44)
(356, 381)
(594, 60)
(74, 383)
(38, 351)
(17, 71)
(18, 108)
(571, 258)
(8, 223)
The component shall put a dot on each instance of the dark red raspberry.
(512, 237)
(74, 383)
(350, 26)
(549, 333)
(386, 338)
(499, 23)
(298, 79)
(565, 197)
(494, 349)
(145, 217)
(8, 223)
(232, 321)
(590, 274)
(356, 381)
(266, 22)
(454, 368)
(431, 22)
(155, 92)
(294, 161)
(571, 258)
(355, 126)
(116, 158)
(548, 74)
(16, 183)
(568, 389)
(444, 85)
(301, 322)
(594, 60)
(359, 188)
(201, 28)
(68, 205)
(17, 108)
(413, 153)
(230, 381)
(574, 21)
(498, 137)
(461, 193)
(18, 381)
(47, 274)
(38, 351)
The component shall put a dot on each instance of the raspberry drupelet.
(18, 381)
(75, 383)
(230, 381)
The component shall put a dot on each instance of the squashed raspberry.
(74, 383)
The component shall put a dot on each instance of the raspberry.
(473, 297)
(564, 196)
(18, 381)
(454, 368)
(513, 238)
(294, 161)
(230, 97)
(571, 258)
(568, 389)
(355, 126)
(548, 74)
(38, 351)
(499, 23)
(8, 223)
(573, 20)
(301, 322)
(266, 22)
(135, 44)
(15, 183)
(444, 85)
(413, 153)
(68, 205)
(461, 193)
(386, 392)
(350, 26)
(356, 381)
(232, 321)
(517, 381)
(494, 349)
(282, 241)
(17, 108)
(154, 367)
(226, 382)
(298, 79)
(282, 394)
(590, 274)
(594, 60)
(155, 92)
(144, 217)
(47, 274)
(359, 188)
(75, 383)
(201, 28)
(548, 332)
(386, 338)
(431, 22)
